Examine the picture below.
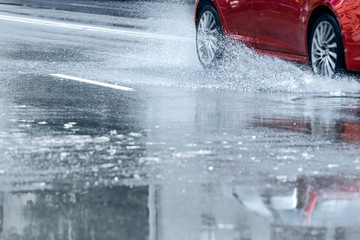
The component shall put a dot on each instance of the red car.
(324, 33)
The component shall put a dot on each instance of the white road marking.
(90, 6)
(91, 28)
(93, 82)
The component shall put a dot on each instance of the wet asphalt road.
(259, 150)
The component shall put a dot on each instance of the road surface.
(111, 129)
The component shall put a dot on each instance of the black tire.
(213, 34)
(322, 52)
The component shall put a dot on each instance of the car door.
(279, 25)
(238, 15)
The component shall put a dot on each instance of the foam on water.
(175, 64)
(245, 70)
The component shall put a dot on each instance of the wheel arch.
(200, 5)
(316, 13)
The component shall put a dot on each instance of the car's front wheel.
(326, 47)
(209, 37)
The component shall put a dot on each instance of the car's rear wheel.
(209, 37)
(326, 47)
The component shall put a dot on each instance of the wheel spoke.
(202, 49)
(332, 54)
(332, 45)
(317, 45)
(213, 39)
(332, 63)
(328, 68)
(322, 32)
(202, 45)
(210, 52)
(206, 19)
(317, 37)
(211, 24)
(325, 72)
(328, 32)
(332, 36)
(317, 62)
(214, 46)
(318, 53)
(319, 41)
(323, 69)
(201, 23)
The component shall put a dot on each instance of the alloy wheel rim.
(207, 38)
(324, 49)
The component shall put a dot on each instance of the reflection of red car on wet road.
(309, 201)
(324, 196)
(325, 33)
(348, 131)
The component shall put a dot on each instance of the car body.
(283, 28)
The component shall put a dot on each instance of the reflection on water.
(103, 213)
(307, 208)
(332, 123)
(200, 165)
(347, 131)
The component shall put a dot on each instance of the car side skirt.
(281, 55)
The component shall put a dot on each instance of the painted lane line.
(108, 85)
(24, 20)
(91, 28)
